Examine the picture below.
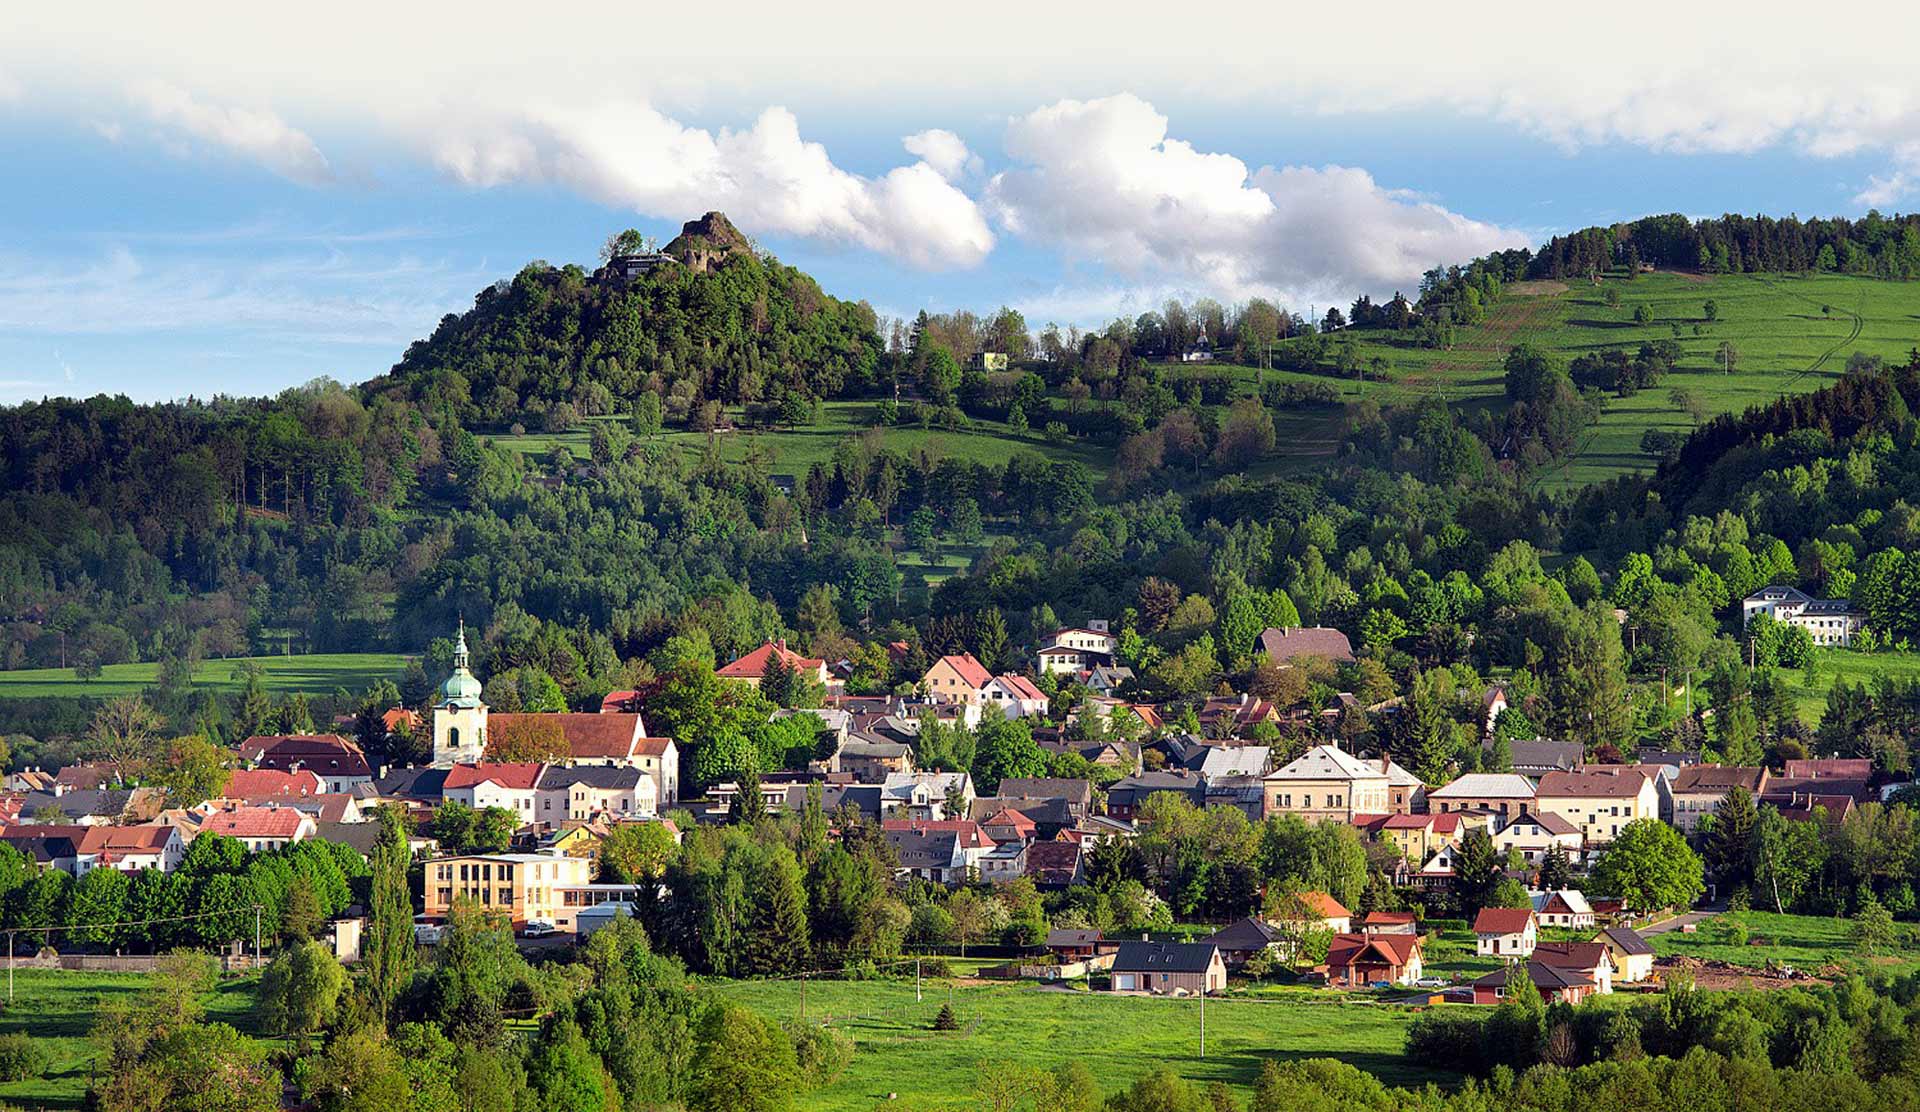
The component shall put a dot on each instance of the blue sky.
(227, 219)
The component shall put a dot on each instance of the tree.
(743, 1063)
(532, 738)
(300, 990)
(1712, 309)
(1729, 843)
(122, 731)
(636, 851)
(193, 770)
(362, 1072)
(1727, 355)
(98, 904)
(563, 1072)
(389, 948)
(476, 964)
(1873, 929)
(1475, 869)
(1556, 870)
(1649, 866)
(1004, 748)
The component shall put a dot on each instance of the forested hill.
(1880, 246)
(710, 319)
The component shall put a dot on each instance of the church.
(610, 738)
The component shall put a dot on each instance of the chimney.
(1386, 761)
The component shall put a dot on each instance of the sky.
(209, 198)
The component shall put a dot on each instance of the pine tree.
(946, 1021)
(1729, 840)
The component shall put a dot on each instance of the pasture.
(1118, 1037)
(1806, 942)
(316, 674)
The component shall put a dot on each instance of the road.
(1679, 921)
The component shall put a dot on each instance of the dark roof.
(924, 849)
(606, 777)
(864, 797)
(1164, 957)
(1541, 974)
(1078, 792)
(360, 835)
(1572, 955)
(1627, 939)
(414, 783)
(79, 803)
(1053, 862)
(1245, 934)
(1065, 937)
(1544, 755)
(1134, 790)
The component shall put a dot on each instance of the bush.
(21, 1057)
(822, 1052)
(946, 1021)
(1446, 1039)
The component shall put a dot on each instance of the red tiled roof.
(1282, 645)
(1381, 918)
(124, 840)
(1591, 783)
(1409, 822)
(970, 835)
(618, 702)
(1843, 768)
(517, 775)
(1323, 906)
(1585, 956)
(1021, 686)
(1370, 823)
(1502, 920)
(651, 746)
(1386, 949)
(970, 670)
(588, 736)
(753, 666)
(256, 822)
(270, 783)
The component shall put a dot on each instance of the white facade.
(1829, 621)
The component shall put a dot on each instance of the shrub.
(21, 1057)
(822, 1052)
(946, 1021)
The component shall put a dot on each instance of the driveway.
(1679, 921)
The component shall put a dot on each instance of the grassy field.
(1119, 1037)
(1794, 334)
(1845, 665)
(1806, 942)
(793, 451)
(58, 1009)
(317, 674)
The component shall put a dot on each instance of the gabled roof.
(924, 849)
(971, 671)
(1718, 779)
(256, 822)
(1502, 920)
(126, 839)
(1546, 755)
(1829, 768)
(753, 666)
(1053, 862)
(600, 777)
(1389, 918)
(652, 746)
(1592, 783)
(1566, 901)
(513, 775)
(1071, 937)
(413, 783)
(1540, 974)
(588, 736)
(1165, 957)
(1078, 792)
(1020, 687)
(1628, 940)
(1547, 821)
(967, 832)
(271, 783)
(1327, 762)
(329, 754)
(1245, 934)
(1283, 645)
(1572, 955)
(1485, 785)
(1347, 950)
(1322, 906)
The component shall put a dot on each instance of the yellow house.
(1599, 800)
(1327, 783)
(525, 887)
(957, 678)
(1419, 837)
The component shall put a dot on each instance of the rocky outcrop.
(708, 242)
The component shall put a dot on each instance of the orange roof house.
(751, 668)
(957, 678)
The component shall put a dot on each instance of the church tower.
(459, 717)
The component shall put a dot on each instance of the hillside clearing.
(315, 674)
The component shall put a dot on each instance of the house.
(1306, 911)
(1555, 984)
(1809, 807)
(1077, 793)
(1698, 790)
(1390, 922)
(1126, 797)
(1804, 779)
(1539, 757)
(1285, 646)
(659, 758)
(1419, 837)
(1056, 864)
(927, 794)
(524, 887)
(1592, 960)
(1829, 621)
(1230, 716)
(934, 855)
(1534, 836)
(30, 780)
(1505, 931)
(1831, 768)
(871, 760)
(589, 790)
(1006, 863)
(362, 837)
(1217, 762)
(1406, 793)
(1074, 650)
(1245, 938)
(1328, 783)
(1360, 960)
(1493, 701)
(261, 829)
(990, 361)
(1017, 696)
(753, 667)
(85, 806)
(1008, 825)
(412, 787)
(85, 777)
(340, 764)
(1632, 954)
(328, 807)
(1599, 799)
(957, 678)
(1507, 794)
(130, 848)
(48, 845)
(1068, 944)
(1168, 968)
(514, 785)
(1108, 679)
(1566, 907)
(258, 785)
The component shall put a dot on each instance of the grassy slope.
(57, 1009)
(320, 673)
(1119, 1037)
(1806, 942)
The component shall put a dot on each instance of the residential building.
(1829, 621)
(1234, 716)
(1056, 864)
(1008, 825)
(1068, 944)
(1406, 793)
(259, 785)
(1244, 939)
(1075, 650)
(514, 785)
(592, 790)
(1556, 985)
(1419, 837)
(1006, 863)
(871, 760)
(1506, 794)
(1567, 908)
(1539, 757)
(1127, 796)
(1390, 922)
(1313, 911)
(261, 829)
(1592, 960)
(1698, 790)
(1108, 679)
(130, 848)
(1077, 793)
(1286, 646)
(957, 678)
(1535, 835)
(1016, 696)
(340, 764)
(1632, 954)
(1326, 783)
(525, 887)
(1600, 799)
(1360, 960)
(926, 795)
(1505, 931)
(1168, 968)
(753, 667)
(935, 855)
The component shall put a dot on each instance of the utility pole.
(256, 936)
(917, 998)
(10, 965)
(1203, 1016)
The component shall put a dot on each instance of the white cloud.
(252, 133)
(1897, 184)
(1103, 180)
(766, 177)
(946, 152)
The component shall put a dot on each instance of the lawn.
(316, 674)
(1806, 942)
(58, 1008)
(1844, 665)
(1118, 1037)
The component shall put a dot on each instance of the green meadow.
(1805, 942)
(316, 674)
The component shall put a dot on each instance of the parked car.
(539, 928)
(1379, 984)
(1431, 982)
(426, 932)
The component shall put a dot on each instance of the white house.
(1505, 932)
(1078, 649)
(512, 785)
(1830, 621)
(1016, 695)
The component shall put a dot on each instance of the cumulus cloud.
(1897, 184)
(766, 177)
(255, 134)
(1104, 181)
(946, 152)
